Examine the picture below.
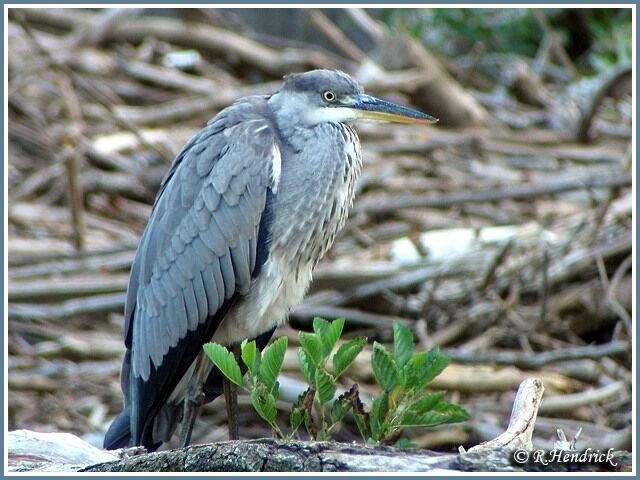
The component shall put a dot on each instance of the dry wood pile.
(502, 235)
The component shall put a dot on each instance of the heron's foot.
(192, 405)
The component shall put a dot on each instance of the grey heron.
(242, 217)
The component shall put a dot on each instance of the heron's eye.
(329, 96)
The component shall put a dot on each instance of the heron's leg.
(231, 401)
(193, 401)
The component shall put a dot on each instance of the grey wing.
(199, 248)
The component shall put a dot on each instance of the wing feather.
(198, 252)
(191, 305)
(201, 295)
(228, 275)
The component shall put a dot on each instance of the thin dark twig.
(544, 286)
(526, 360)
(524, 192)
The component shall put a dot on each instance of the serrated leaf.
(296, 418)
(271, 363)
(307, 367)
(339, 409)
(349, 400)
(426, 403)
(264, 403)
(249, 354)
(320, 326)
(331, 335)
(384, 366)
(325, 385)
(436, 363)
(346, 354)
(403, 344)
(379, 409)
(312, 346)
(224, 360)
(423, 367)
(310, 425)
(441, 414)
(455, 412)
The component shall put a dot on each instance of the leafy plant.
(262, 368)
(402, 376)
(316, 349)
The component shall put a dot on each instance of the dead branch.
(551, 186)
(527, 360)
(523, 419)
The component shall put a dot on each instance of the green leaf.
(312, 346)
(264, 403)
(339, 409)
(330, 335)
(455, 412)
(441, 414)
(403, 344)
(271, 363)
(249, 354)
(296, 418)
(405, 443)
(326, 386)
(346, 354)
(320, 326)
(379, 410)
(426, 403)
(225, 361)
(307, 367)
(423, 368)
(385, 369)
(436, 363)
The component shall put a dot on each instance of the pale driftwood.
(77, 286)
(95, 304)
(523, 419)
(51, 452)
(570, 402)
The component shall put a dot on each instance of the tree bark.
(269, 455)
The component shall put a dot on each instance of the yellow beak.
(372, 108)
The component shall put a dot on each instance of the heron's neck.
(320, 175)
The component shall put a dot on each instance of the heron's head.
(332, 96)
